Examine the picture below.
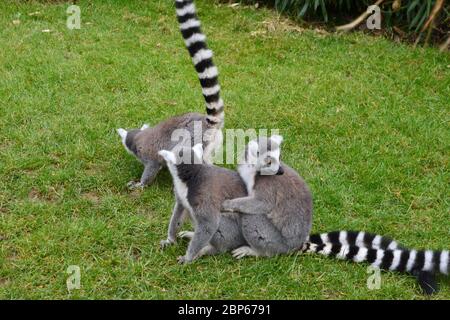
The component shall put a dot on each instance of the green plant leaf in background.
(412, 14)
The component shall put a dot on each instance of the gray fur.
(276, 219)
(277, 213)
(204, 198)
(145, 144)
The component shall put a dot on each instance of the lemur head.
(262, 156)
(127, 137)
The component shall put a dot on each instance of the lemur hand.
(133, 185)
(165, 243)
(227, 206)
(183, 260)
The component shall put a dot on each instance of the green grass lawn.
(365, 121)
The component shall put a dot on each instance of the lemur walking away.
(144, 143)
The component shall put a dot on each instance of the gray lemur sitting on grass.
(276, 213)
(377, 250)
(199, 188)
(145, 143)
(279, 224)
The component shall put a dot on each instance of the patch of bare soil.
(91, 196)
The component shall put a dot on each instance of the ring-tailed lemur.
(261, 154)
(278, 221)
(145, 143)
(200, 190)
(272, 223)
(265, 153)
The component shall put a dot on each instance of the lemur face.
(124, 134)
(263, 155)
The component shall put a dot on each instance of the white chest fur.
(181, 189)
(247, 174)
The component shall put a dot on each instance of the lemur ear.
(122, 133)
(253, 148)
(277, 139)
(198, 153)
(168, 156)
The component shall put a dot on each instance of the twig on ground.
(419, 37)
(444, 46)
(437, 7)
(429, 23)
(427, 38)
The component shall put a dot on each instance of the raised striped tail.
(355, 238)
(201, 56)
(402, 260)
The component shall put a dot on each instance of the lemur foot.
(183, 260)
(133, 185)
(186, 234)
(243, 252)
(166, 243)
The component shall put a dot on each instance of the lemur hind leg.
(244, 251)
(151, 169)
(207, 250)
(176, 220)
(227, 237)
(262, 236)
(205, 228)
(186, 234)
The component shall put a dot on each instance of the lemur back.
(145, 143)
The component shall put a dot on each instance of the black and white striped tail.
(201, 56)
(402, 260)
(355, 238)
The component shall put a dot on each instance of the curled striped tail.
(355, 238)
(402, 260)
(201, 56)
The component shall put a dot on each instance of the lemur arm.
(176, 220)
(151, 169)
(248, 205)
